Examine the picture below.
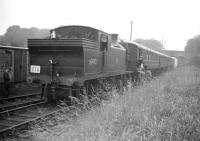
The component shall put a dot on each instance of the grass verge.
(166, 109)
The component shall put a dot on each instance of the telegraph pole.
(131, 30)
(163, 42)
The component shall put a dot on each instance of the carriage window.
(147, 55)
(104, 43)
(5, 58)
(7, 52)
(139, 52)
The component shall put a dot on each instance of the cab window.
(103, 43)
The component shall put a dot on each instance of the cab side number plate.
(35, 69)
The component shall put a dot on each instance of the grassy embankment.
(168, 108)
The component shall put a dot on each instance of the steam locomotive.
(78, 56)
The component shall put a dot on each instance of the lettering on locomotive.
(92, 61)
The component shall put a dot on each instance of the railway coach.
(153, 60)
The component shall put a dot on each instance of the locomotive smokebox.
(114, 37)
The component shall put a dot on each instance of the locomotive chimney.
(114, 37)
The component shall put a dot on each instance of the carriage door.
(103, 49)
(18, 57)
(139, 53)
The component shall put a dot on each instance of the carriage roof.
(148, 49)
(13, 47)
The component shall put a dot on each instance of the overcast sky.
(170, 21)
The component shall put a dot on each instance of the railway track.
(18, 111)
(10, 103)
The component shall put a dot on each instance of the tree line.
(192, 50)
(17, 36)
(151, 43)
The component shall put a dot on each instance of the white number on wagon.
(35, 69)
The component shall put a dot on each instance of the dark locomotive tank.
(55, 63)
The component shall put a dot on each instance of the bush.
(195, 61)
